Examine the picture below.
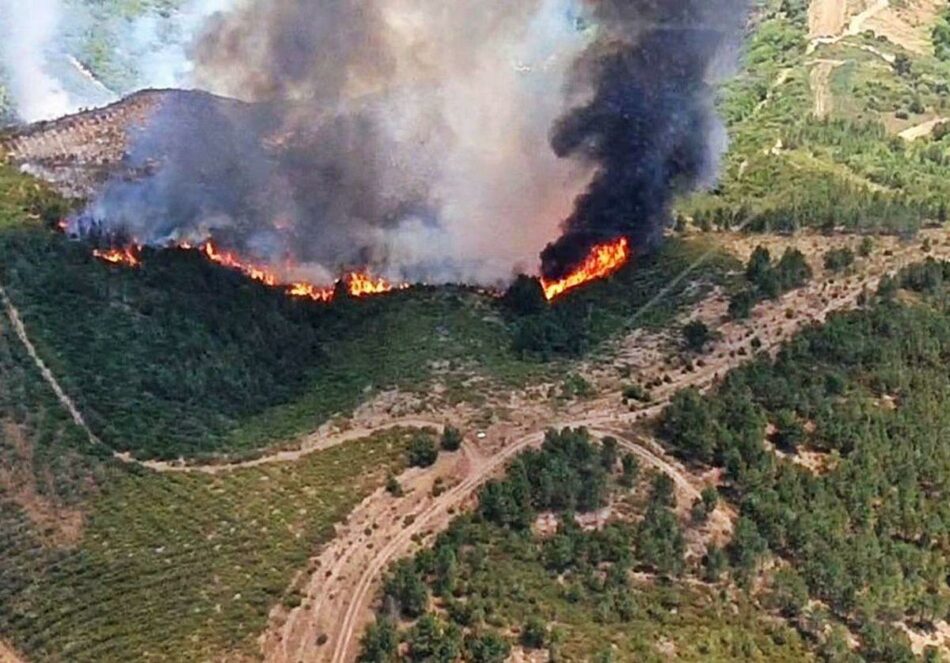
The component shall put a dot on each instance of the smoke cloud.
(650, 126)
(27, 30)
(409, 136)
(430, 140)
(45, 47)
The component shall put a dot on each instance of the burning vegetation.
(128, 255)
(602, 261)
(356, 283)
(358, 188)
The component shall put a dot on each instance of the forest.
(571, 591)
(866, 531)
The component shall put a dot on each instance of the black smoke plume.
(650, 125)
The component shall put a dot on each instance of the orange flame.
(358, 284)
(602, 261)
(125, 256)
(311, 291)
(228, 259)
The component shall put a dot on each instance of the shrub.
(393, 487)
(379, 643)
(487, 648)
(635, 392)
(451, 439)
(696, 335)
(741, 304)
(422, 451)
(837, 260)
(534, 633)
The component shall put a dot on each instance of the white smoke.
(27, 32)
(158, 47)
(42, 43)
(414, 137)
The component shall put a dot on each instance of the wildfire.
(228, 259)
(358, 284)
(602, 261)
(308, 290)
(125, 256)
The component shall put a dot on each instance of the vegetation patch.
(181, 566)
(490, 582)
(866, 536)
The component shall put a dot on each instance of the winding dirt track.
(353, 618)
(820, 82)
(340, 600)
(343, 579)
(828, 21)
(13, 315)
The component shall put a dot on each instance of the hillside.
(734, 448)
(832, 130)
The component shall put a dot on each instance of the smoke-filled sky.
(429, 140)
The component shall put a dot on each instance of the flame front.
(310, 291)
(358, 284)
(602, 261)
(125, 256)
(229, 259)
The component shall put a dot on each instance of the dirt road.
(340, 594)
(345, 577)
(13, 315)
(828, 21)
(908, 23)
(820, 82)
(826, 18)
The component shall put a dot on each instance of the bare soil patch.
(56, 524)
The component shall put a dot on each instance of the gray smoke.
(415, 136)
(409, 136)
(46, 47)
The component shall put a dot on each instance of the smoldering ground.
(431, 140)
